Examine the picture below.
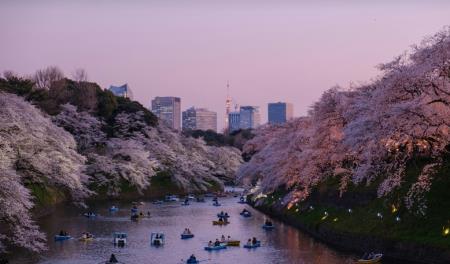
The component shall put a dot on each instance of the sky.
(268, 51)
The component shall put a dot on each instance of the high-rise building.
(280, 112)
(168, 110)
(250, 117)
(199, 119)
(228, 103)
(234, 120)
(122, 91)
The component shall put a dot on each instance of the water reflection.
(285, 244)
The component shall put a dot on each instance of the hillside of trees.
(381, 147)
(63, 139)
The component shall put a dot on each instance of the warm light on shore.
(445, 231)
(394, 208)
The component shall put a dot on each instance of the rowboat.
(61, 238)
(220, 222)
(257, 244)
(187, 236)
(86, 239)
(233, 243)
(221, 246)
(120, 239)
(372, 258)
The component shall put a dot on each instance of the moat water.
(284, 244)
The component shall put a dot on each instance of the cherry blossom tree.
(34, 151)
(136, 151)
(364, 133)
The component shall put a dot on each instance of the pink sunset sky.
(268, 50)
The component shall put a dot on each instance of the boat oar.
(184, 261)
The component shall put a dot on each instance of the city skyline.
(168, 110)
(122, 91)
(268, 52)
(155, 108)
(279, 112)
(197, 118)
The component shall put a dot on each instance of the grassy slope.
(45, 197)
(363, 219)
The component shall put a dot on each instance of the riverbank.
(47, 198)
(395, 251)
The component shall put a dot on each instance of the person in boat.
(244, 211)
(210, 243)
(148, 213)
(222, 239)
(62, 233)
(113, 259)
(268, 223)
(228, 238)
(217, 243)
(249, 242)
(226, 214)
(192, 259)
(365, 256)
(189, 231)
(220, 219)
(254, 241)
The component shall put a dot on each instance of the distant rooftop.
(123, 91)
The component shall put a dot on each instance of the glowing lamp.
(394, 208)
(445, 231)
(335, 219)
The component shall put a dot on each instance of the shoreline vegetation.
(359, 243)
(367, 169)
(65, 140)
